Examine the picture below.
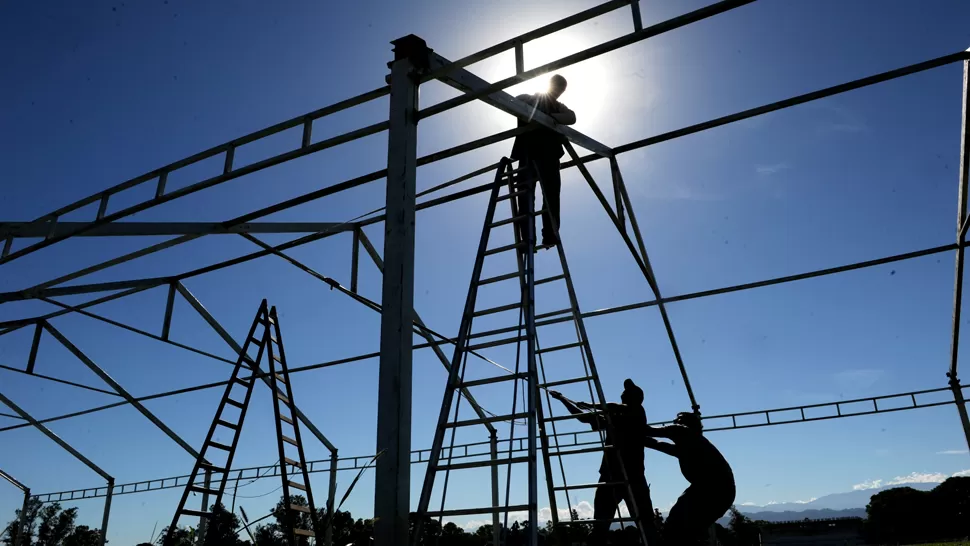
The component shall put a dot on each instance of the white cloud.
(913, 477)
(870, 484)
(773, 168)
(583, 508)
(952, 452)
(918, 477)
(813, 499)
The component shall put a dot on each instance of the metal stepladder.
(265, 336)
(541, 430)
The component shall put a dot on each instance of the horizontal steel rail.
(140, 229)
(660, 28)
(738, 116)
(482, 449)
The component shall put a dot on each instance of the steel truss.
(415, 64)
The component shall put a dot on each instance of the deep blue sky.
(98, 92)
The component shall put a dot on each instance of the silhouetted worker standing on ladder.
(542, 148)
(629, 421)
(711, 490)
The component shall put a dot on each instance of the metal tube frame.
(53, 231)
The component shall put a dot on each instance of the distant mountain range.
(836, 505)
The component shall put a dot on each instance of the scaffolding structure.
(414, 64)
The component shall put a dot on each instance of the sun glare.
(587, 87)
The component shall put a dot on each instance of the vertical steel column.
(958, 281)
(393, 473)
(354, 259)
(331, 495)
(493, 451)
(200, 536)
(22, 522)
(107, 512)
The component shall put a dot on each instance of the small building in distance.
(813, 532)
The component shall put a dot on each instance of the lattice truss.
(20, 239)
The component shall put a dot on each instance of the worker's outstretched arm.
(663, 447)
(672, 432)
(574, 408)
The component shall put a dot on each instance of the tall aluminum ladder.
(518, 183)
(263, 334)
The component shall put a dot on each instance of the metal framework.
(414, 64)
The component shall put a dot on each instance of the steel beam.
(644, 263)
(119, 389)
(47, 432)
(214, 324)
(466, 82)
(958, 280)
(393, 473)
(143, 229)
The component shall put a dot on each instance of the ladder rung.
(570, 416)
(594, 449)
(241, 381)
(291, 462)
(473, 511)
(220, 446)
(509, 174)
(559, 347)
(498, 309)
(211, 467)
(273, 339)
(280, 378)
(283, 398)
(276, 358)
(514, 219)
(499, 249)
(197, 513)
(498, 342)
(483, 420)
(513, 194)
(479, 464)
(499, 278)
(565, 382)
(227, 424)
(286, 419)
(585, 486)
(550, 279)
(232, 402)
(289, 440)
(553, 313)
(254, 340)
(299, 508)
(303, 532)
(199, 489)
(299, 486)
(496, 379)
(271, 320)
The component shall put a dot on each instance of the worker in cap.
(624, 455)
(711, 491)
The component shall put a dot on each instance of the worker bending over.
(711, 491)
(540, 149)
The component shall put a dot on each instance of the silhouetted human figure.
(542, 148)
(711, 491)
(629, 420)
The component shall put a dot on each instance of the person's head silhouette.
(689, 420)
(557, 85)
(632, 394)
